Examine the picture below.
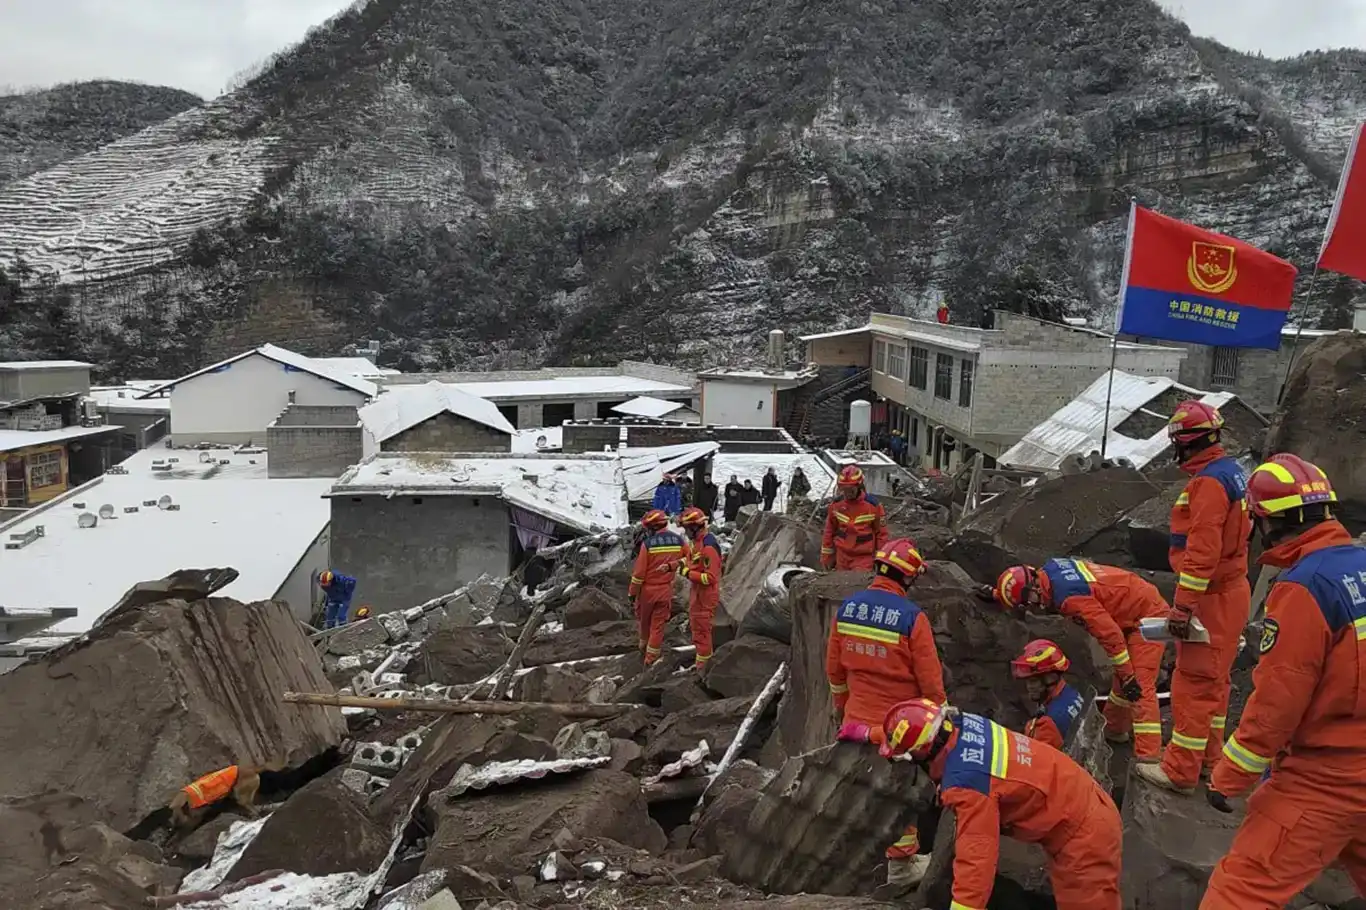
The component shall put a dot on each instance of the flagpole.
(1119, 322)
(1109, 393)
(1299, 329)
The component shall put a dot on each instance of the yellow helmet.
(325, 579)
(362, 613)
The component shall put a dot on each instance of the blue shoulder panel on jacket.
(1067, 578)
(970, 760)
(1230, 475)
(1336, 577)
(1065, 709)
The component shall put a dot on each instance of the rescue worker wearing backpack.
(1057, 705)
(702, 567)
(855, 525)
(652, 580)
(998, 781)
(1305, 724)
(880, 652)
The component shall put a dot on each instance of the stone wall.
(314, 441)
(447, 432)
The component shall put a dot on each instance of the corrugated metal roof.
(1076, 427)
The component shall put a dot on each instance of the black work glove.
(1179, 623)
(987, 593)
(1131, 690)
(1218, 800)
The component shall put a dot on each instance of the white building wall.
(737, 404)
(298, 591)
(236, 404)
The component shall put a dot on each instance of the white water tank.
(777, 354)
(860, 418)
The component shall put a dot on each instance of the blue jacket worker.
(337, 589)
(668, 497)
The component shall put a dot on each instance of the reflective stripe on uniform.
(954, 905)
(825, 550)
(1121, 658)
(1189, 742)
(636, 580)
(838, 688)
(1193, 583)
(1360, 626)
(1183, 499)
(1119, 701)
(1000, 751)
(665, 549)
(1218, 723)
(863, 519)
(889, 636)
(907, 840)
(703, 578)
(1245, 759)
(1153, 729)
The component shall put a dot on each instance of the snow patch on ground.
(232, 843)
(344, 891)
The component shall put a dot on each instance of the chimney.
(777, 357)
(1359, 317)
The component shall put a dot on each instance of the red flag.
(1344, 243)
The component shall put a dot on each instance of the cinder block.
(357, 780)
(410, 742)
(377, 758)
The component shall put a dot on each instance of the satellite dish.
(205, 457)
(164, 503)
(86, 520)
(106, 511)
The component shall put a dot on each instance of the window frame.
(967, 372)
(943, 367)
(923, 362)
(896, 365)
(1220, 360)
(880, 357)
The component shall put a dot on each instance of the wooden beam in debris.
(770, 691)
(451, 706)
(503, 683)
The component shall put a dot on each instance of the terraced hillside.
(520, 182)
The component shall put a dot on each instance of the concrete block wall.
(1259, 375)
(447, 432)
(312, 451)
(318, 415)
(595, 436)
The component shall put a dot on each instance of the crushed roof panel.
(401, 408)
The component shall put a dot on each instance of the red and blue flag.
(1183, 283)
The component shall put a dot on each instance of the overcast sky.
(200, 44)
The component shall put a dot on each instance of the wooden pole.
(761, 701)
(450, 706)
(503, 683)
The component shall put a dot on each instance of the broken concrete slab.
(461, 654)
(159, 695)
(768, 541)
(744, 665)
(575, 741)
(722, 826)
(357, 637)
(198, 847)
(321, 829)
(681, 691)
(589, 606)
(549, 683)
(597, 640)
(714, 721)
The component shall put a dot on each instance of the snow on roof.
(230, 515)
(786, 378)
(752, 467)
(838, 334)
(18, 439)
(44, 365)
(22, 623)
(404, 407)
(645, 406)
(953, 343)
(861, 458)
(524, 441)
(585, 492)
(126, 398)
(616, 386)
(286, 358)
(363, 367)
(1076, 427)
(644, 468)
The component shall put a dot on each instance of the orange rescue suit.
(855, 529)
(652, 587)
(1110, 603)
(1055, 717)
(1306, 724)
(1209, 532)
(999, 782)
(703, 569)
(211, 788)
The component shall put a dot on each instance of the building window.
(920, 368)
(965, 384)
(44, 469)
(880, 356)
(1224, 366)
(943, 376)
(896, 361)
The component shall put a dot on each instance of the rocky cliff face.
(510, 183)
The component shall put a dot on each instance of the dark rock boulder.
(552, 684)
(591, 606)
(461, 654)
(320, 830)
(597, 640)
(714, 721)
(723, 821)
(743, 666)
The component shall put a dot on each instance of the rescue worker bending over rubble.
(997, 781)
(1209, 538)
(1057, 704)
(1305, 723)
(880, 652)
(1110, 603)
(652, 581)
(702, 567)
(855, 525)
(337, 591)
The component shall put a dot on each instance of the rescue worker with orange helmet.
(337, 592)
(1110, 603)
(1208, 553)
(702, 567)
(855, 525)
(880, 652)
(1057, 704)
(997, 781)
(652, 580)
(1305, 724)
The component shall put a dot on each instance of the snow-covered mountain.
(516, 182)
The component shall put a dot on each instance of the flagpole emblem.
(1211, 268)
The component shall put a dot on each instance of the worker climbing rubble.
(337, 592)
(1110, 603)
(880, 652)
(652, 580)
(996, 781)
(1305, 723)
(1057, 704)
(702, 567)
(855, 525)
(1208, 553)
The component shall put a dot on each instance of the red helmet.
(899, 558)
(910, 728)
(1193, 419)
(1039, 657)
(1015, 584)
(655, 520)
(850, 476)
(1287, 482)
(692, 516)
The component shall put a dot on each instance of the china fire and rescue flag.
(1344, 243)
(1183, 283)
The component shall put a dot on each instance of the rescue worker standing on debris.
(855, 525)
(1306, 720)
(1110, 603)
(702, 568)
(880, 652)
(999, 781)
(1057, 705)
(337, 591)
(652, 581)
(1209, 539)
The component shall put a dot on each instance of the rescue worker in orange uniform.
(881, 651)
(1209, 540)
(855, 525)
(998, 781)
(1110, 603)
(652, 580)
(1057, 704)
(702, 567)
(1305, 723)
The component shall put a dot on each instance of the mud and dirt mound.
(743, 666)
(159, 695)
